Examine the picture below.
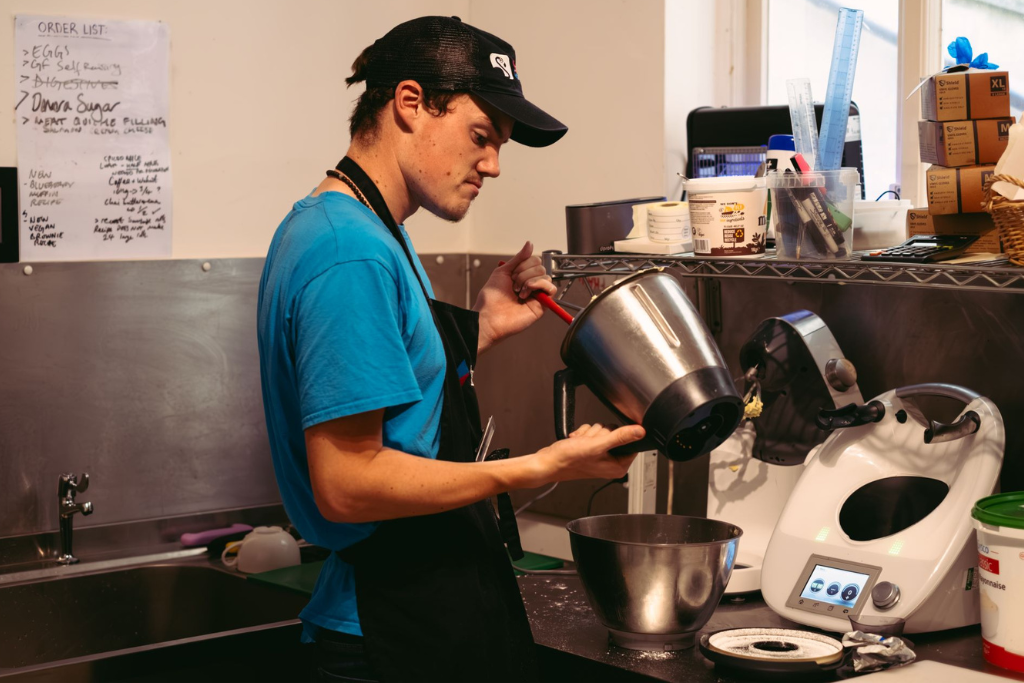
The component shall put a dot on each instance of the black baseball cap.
(443, 53)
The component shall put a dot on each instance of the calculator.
(924, 249)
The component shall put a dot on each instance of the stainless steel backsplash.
(145, 374)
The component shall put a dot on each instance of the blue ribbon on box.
(960, 50)
(962, 53)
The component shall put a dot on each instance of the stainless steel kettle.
(642, 348)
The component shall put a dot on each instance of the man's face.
(452, 154)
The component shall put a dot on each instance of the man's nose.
(489, 166)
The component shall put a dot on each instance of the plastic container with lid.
(727, 215)
(999, 521)
(880, 224)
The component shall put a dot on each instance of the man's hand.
(505, 303)
(584, 455)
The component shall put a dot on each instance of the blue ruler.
(840, 89)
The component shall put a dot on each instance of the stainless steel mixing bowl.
(653, 580)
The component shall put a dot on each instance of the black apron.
(436, 594)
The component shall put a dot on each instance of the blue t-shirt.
(343, 328)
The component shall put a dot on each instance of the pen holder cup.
(815, 213)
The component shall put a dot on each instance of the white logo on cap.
(502, 62)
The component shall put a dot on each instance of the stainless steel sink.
(96, 615)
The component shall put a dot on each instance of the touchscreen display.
(834, 586)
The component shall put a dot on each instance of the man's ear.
(408, 104)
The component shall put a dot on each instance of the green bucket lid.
(1002, 509)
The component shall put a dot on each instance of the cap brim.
(533, 126)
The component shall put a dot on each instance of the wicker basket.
(1008, 216)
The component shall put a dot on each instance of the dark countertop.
(563, 621)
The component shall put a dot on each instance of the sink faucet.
(67, 486)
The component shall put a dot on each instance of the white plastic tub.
(999, 521)
(880, 224)
(727, 215)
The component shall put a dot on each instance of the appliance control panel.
(833, 587)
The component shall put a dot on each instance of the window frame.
(919, 55)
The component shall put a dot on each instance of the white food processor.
(879, 525)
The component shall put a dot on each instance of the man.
(368, 385)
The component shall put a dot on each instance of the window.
(800, 36)
(992, 26)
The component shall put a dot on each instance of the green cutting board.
(537, 561)
(301, 578)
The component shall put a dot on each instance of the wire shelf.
(986, 277)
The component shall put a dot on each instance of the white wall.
(259, 108)
(597, 66)
(706, 65)
(689, 82)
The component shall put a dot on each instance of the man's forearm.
(392, 484)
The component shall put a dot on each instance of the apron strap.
(380, 207)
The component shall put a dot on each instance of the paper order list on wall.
(94, 164)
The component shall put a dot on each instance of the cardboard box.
(920, 222)
(956, 190)
(963, 143)
(971, 94)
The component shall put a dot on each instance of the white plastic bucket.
(999, 521)
(880, 224)
(727, 215)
